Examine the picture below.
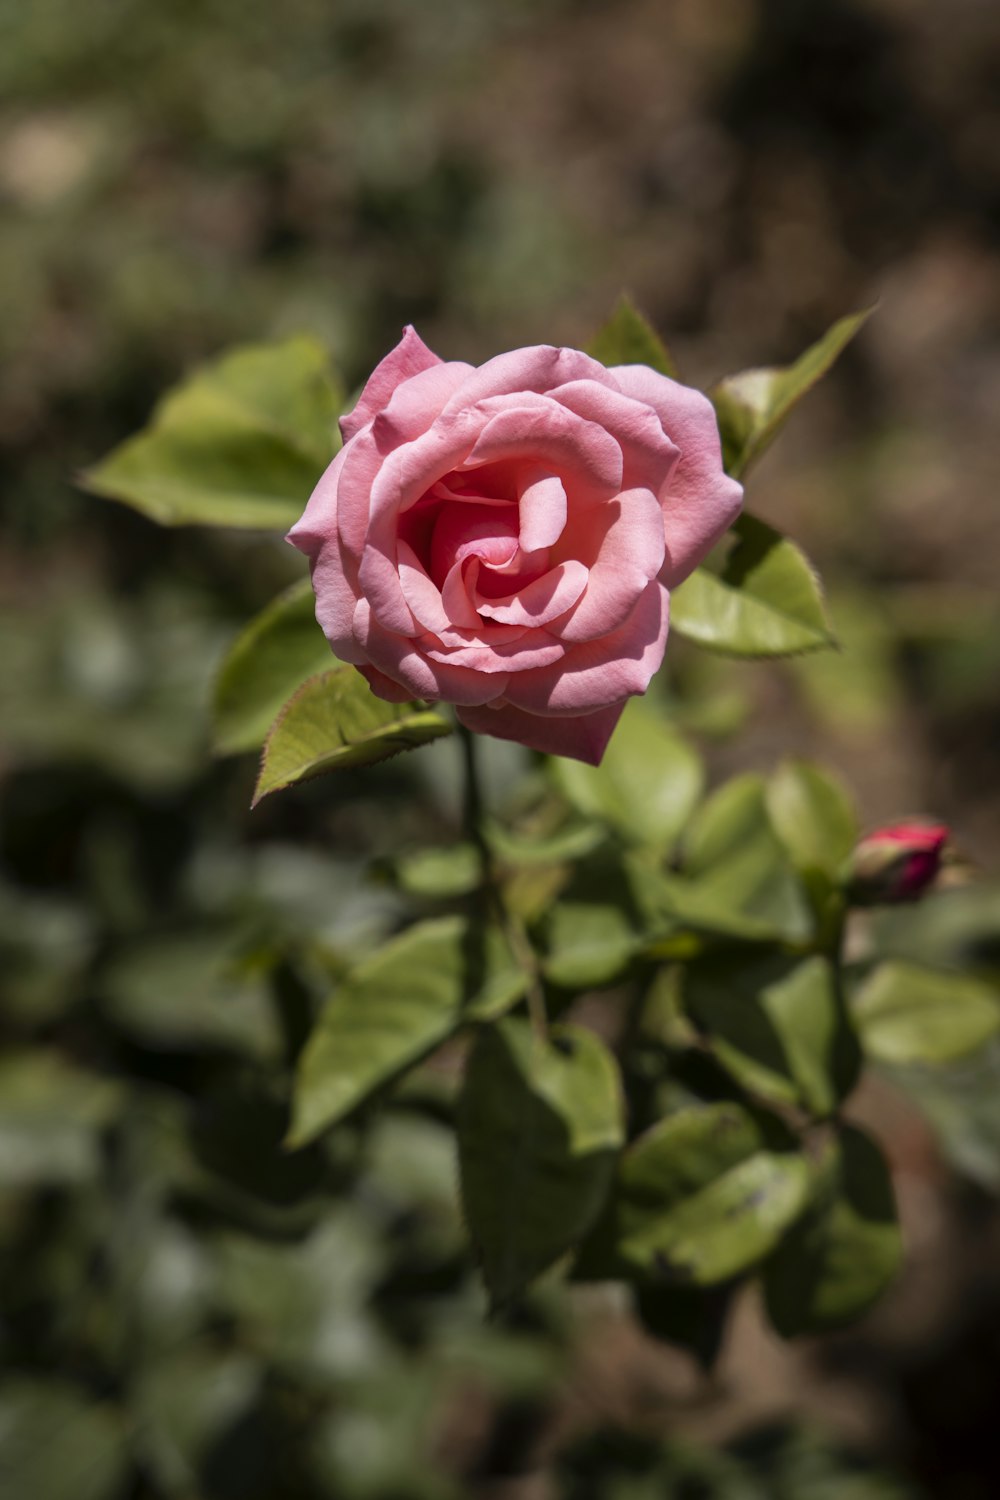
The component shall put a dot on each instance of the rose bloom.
(505, 538)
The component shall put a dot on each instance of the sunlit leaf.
(844, 1251)
(647, 784)
(540, 1124)
(591, 934)
(736, 879)
(335, 722)
(699, 1198)
(627, 338)
(908, 1014)
(753, 406)
(765, 601)
(394, 1009)
(240, 443)
(271, 658)
(813, 817)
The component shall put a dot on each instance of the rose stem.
(472, 821)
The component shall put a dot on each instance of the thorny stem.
(513, 929)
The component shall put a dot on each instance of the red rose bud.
(894, 864)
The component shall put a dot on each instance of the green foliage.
(59, 1444)
(240, 443)
(335, 722)
(753, 406)
(51, 1117)
(646, 786)
(765, 601)
(813, 817)
(269, 660)
(778, 1025)
(845, 1250)
(539, 1127)
(394, 1009)
(701, 1197)
(627, 338)
(736, 880)
(912, 1015)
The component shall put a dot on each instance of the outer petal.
(539, 367)
(701, 501)
(584, 737)
(410, 356)
(650, 456)
(318, 522)
(415, 403)
(598, 673)
(403, 662)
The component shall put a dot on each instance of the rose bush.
(505, 538)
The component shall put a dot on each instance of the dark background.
(179, 177)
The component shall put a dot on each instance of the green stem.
(513, 929)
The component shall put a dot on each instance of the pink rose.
(505, 538)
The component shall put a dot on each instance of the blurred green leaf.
(51, 1114)
(185, 1400)
(765, 601)
(241, 443)
(395, 1008)
(189, 991)
(439, 874)
(335, 722)
(540, 1123)
(777, 1025)
(268, 661)
(736, 880)
(908, 1014)
(841, 1255)
(574, 840)
(646, 786)
(961, 1101)
(813, 817)
(56, 1444)
(305, 1303)
(627, 338)
(956, 928)
(753, 406)
(591, 934)
(698, 1199)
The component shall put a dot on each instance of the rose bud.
(506, 538)
(897, 863)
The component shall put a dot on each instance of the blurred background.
(186, 1313)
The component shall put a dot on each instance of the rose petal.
(540, 367)
(583, 737)
(650, 456)
(410, 356)
(542, 508)
(526, 651)
(622, 544)
(415, 404)
(596, 674)
(586, 458)
(401, 661)
(701, 502)
(540, 601)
